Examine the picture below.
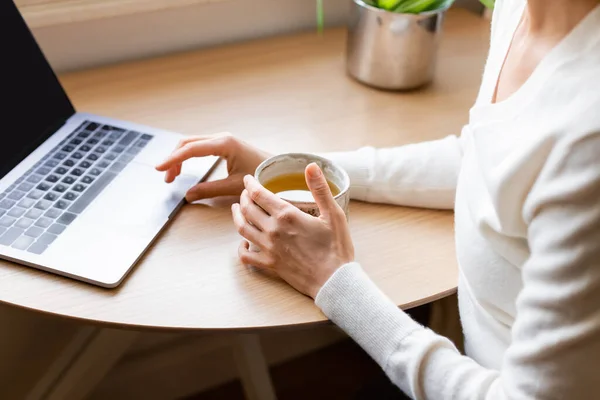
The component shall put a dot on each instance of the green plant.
(401, 6)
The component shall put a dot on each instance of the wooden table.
(283, 94)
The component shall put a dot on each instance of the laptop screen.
(34, 105)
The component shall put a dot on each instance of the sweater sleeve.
(419, 175)
(555, 344)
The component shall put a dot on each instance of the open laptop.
(79, 195)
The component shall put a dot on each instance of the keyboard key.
(103, 164)
(53, 213)
(24, 223)
(87, 179)
(68, 180)
(26, 203)
(92, 157)
(16, 195)
(2, 212)
(23, 242)
(69, 163)
(46, 238)
(34, 213)
(60, 156)
(99, 135)
(2, 230)
(115, 135)
(70, 196)
(7, 221)
(35, 194)
(113, 128)
(43, 222)
(59, 188)
(79, 187)
(67, 217)
(51, 163)
(62, 204)
(61, 171)
(95, 171)
(43, 171)
(117, 167)
(78, 155)
(34, 232)
(56, 229)
(44, 186)
(100, 149)
(43, 205)
(2, 195)
(77, 172)
(34, 178)
(84, 164)
(37, 248)
(75, 142)
(85, 148)
(68, 148)
(52, 178)
(16, 212)
(26, 187)
(92, 126)
(141, 143)
(118, 149)
(92, 192)
(133, 150)
(145, 136)
(92, 142)
(83, 135)
(128, 138)
(108, 143)
(110, 156)
(6, 204)
(10, 236)
(50, 196)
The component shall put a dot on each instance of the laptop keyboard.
(42, 203)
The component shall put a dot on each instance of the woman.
(524, 181)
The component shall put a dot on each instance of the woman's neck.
(556, 17)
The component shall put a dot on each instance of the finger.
(175, 170)
(246, 230)
(320, 189)
(265, 199)
(253, 213)
(231, 186)
(202, 148)
(253, 258)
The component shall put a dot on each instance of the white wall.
(89, 43)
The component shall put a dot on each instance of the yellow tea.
(293, 187)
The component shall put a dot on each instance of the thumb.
(320, 189)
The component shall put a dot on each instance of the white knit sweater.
(524, 181)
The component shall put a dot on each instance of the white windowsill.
(68, 11)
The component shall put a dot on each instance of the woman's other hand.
(303, 250)
(241, 158)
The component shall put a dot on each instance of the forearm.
(423, 364)
(420, 175)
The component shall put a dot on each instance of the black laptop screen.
(33, 102)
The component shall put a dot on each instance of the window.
(39, 13)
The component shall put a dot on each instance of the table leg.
(253, 368)
(82, 364)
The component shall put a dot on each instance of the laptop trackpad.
(139, 196)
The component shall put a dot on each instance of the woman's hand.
(303, 250)
(242, 159)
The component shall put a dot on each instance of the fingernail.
(315, 171)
